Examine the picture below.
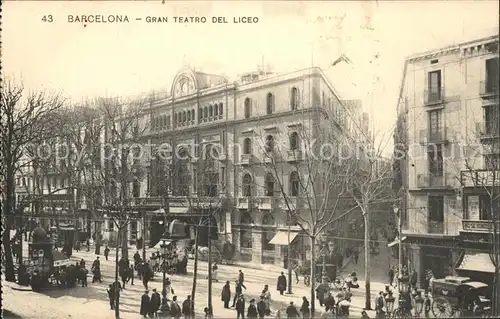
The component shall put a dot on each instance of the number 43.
(48, 18)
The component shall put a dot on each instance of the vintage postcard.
(259, 159)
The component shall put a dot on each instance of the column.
(417, 264)
(257, 246)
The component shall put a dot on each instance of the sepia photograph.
(250, 159)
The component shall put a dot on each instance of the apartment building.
(240, 121)
(450, 125)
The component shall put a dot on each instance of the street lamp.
(164, 255)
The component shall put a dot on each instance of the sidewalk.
(14, 285)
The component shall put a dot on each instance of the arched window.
(268, 219)
(136, 188)
(168, 121)
(294, 141)
(270, 103)
(189, 116)
(192, 115)
(221, 109)
(211, 111)
(246, 232)
(184, 117)
(247, 146)
(247, 185)
(175, 120)
(181, 173)
(216, 110)
(294, 184)
(269, 147)
(269, 185)
(205, 112)
(294, 98)
(248, 108)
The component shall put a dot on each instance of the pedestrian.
(240, 307)
(413, 279)
(241, 279)
(77, 246)
(330, 302)
(322, 291)
(96, 270)
(131, 274)
(281, 285)
(187, 308)
(111, 294)
(355, 254)
(155, 304)
(145, 304)
(267, 299)
(215, 272)
(88, 244)
(261, 307)
(238, 290)
(84, 272)
(208, 313)
(390, 273)
(304, 309)
(364, 315)
(427, 306)
(175, 309)
(291, 311)
(106, 252)
(252, 310)
(82, 263)
(226, 294)
(296, 271)
(379, 305)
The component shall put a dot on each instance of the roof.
(476, 284)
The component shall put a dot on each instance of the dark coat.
(240, 305)
(186, 307)
(241, 277)
(175, 310)
(291, 312)
(155, 301)
(261, 308)
(413, 278)
(281, 285)
(304, 309)
(226, 293)
(252, 311)
(145, 305)
(238, 289)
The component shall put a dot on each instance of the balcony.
(480, 178)
(433, 181)
(268, 202)
(434, 227)
(488, 130)
(293, 201)
(434, 96)
(479, 225)
(434, 137)
(294, 156)
(246, 159)
(488, 88)
(244, 203)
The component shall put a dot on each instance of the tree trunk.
(195, 267)
(97, 231)
(9, 260)
(313, 278)
(124, 241)
(367, 262)
(117, 290)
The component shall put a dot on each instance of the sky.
(126, 59)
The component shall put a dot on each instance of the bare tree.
(25, 118)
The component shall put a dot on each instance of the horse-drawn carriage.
(453, 294)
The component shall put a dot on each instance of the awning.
(160, 243)
(396, 242)
(474, 261)
(281, 238)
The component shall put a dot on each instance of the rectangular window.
(62, 183)
(492, 75)
(435, 125)
(435, 157)
(111, 225)
(434, 86)
(492, 119)
(435, 214)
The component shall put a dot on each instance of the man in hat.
(145, 304)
